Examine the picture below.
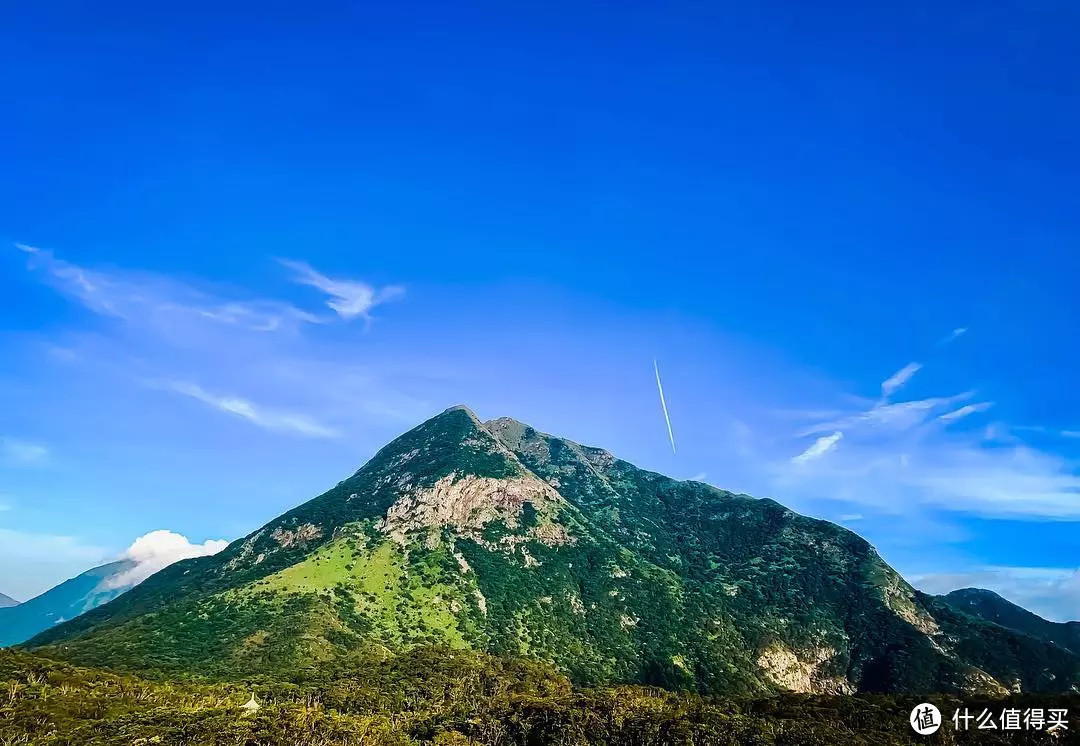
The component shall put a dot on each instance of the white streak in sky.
(820, 447)
(957, 332)
(663, 403)
(899, 378)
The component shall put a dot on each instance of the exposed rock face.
(800, 671)
(467, 503)
(303, 533)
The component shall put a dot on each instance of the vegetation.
(433, 696)
(992, 607)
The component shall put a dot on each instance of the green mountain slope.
(71, 598)
(499, 538)
(992, 607)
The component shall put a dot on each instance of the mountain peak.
(460, 408)
(989, 605)
(499, 537)
(965, 593)
(7, 601)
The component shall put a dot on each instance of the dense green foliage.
(565, 555)
(432, 696)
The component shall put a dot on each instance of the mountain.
(499, 538)
(7, 601)
(71, 598)
(989, 605)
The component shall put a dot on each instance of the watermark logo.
(925, 719)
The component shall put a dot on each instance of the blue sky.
(244, 245)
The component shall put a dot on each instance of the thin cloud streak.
(275, 420)
(159, 302)
(19, 452)
(895, 416)
(158, 328)
(349, 299)
(663, 405)
(966, 410)
(952, 336)
(899, 378)
(819, 448)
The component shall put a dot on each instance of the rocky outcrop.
(467, 503)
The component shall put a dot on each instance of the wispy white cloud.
(252, 357)
(157, 550)
(270, 419)
(349, 299)
(922, 464)
(900, 456)
(1018, 481)
(19, 452)
(951, 336)
(896, 416)
(1051, 592)
(819, 448)
(1070, 433)
(964, 411)
(148, 299)
(899, 378)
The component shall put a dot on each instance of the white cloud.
(964, 411)
(349, 299)
(904, 470)
(896, 416)
(1053, 593)
(899, 378)
(158, 328)
(1013, 481)
(898, 457)
(820, 447)
(149, 300)
(18, 452)
(951, 336)
(270, 419)
(851, 517)
(157, 550)
(1070, 433)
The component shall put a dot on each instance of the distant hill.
(991, 606)
(7, 601)
(20, 622)
(498, 538)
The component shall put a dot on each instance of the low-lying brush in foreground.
(435, 696)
